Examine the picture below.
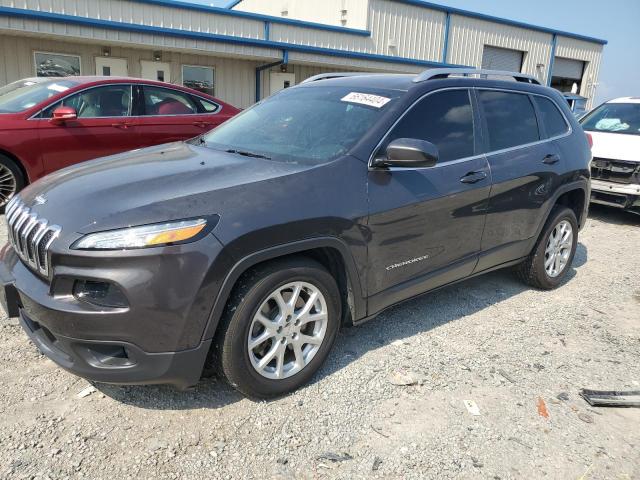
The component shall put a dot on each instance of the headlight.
(141, 237)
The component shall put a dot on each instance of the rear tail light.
(589, 139)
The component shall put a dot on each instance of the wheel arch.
(331, 252)
(18, 162)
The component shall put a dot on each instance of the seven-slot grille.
(30, 236)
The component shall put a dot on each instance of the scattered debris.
(613, 398)
(404, 379)
(282, 461)
(585, 418)
(86, 391)
(335, 457)
(472, 407)
(476, 463)
(377, 461)
(564, 396)
(542, 408)
(520, 442)
(379, 431)
(506, 376)
(538, 367)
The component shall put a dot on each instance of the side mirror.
(63, 114)
(408, 153)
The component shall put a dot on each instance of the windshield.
(305, 124)
(614, 118)
(24, 94)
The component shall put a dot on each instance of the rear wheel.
(11, 180)
(278, 327)
(553, 253)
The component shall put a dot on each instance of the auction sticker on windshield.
(366, 99)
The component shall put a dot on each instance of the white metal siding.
(234, 79)
(416, 32)
(494, 58)
(342, 64)
(468, 36)
(591, 54)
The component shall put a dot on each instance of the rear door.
(525, 167)
(169, 115)
(104, 127)
(426, 223)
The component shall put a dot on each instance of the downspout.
(284, 61)
(445, 46)
(554, 43)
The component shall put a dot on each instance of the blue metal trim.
(121, 26)
(445, 47)
(285, 60)
(504, 21)
(552, 60)
(254, 16)
(267, 30)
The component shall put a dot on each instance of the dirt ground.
(521, 355)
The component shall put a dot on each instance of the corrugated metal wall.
(234, 79)
(587, 52)
(468, 36)
(416, 32)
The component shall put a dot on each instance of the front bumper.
(619, 195)
(157, 339)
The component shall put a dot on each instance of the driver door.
(103, 126)
(427, 223)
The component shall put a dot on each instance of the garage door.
(494, 58)
(568, 68)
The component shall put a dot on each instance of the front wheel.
(11, 180)
(553, 253)
(278, 327)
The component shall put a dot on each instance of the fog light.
(102, 294)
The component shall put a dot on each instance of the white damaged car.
(614, 128)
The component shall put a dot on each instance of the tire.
(256, 292)
(11, 180)
(533, 271)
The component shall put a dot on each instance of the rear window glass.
(510, 117)
(553, 121)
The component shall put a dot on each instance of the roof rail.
(435, 73)
(326, 76)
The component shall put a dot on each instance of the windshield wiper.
(247, 153)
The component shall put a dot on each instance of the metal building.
(257, 47)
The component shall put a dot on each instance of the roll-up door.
(494, 58)
(568, 68)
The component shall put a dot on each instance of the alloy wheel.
(558, 249)
(287, 330)
(8, 185)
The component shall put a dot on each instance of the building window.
(56, 64)
(198, 78)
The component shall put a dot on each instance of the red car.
(50, 123)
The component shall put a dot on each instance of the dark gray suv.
(247, 248)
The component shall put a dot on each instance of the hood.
(616, 146)
(157, 184)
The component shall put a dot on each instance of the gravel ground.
(517, 353)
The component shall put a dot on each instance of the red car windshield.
(24, 94)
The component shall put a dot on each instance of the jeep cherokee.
(247, 248)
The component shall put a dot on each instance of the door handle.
(551, 159)
(474, 177)
(122, 125)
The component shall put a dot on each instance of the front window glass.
(198, 78)
(614, 118)
(306, 124)
(24, 94)
(444, 119)
(56, 65)
(99, 102)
